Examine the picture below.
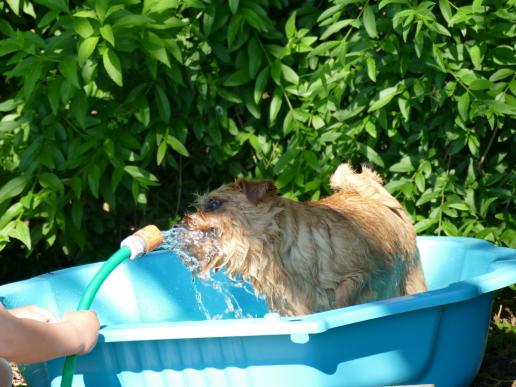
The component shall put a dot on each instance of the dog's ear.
(256, 190)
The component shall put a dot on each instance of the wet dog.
(354, 246)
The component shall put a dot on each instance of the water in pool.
(175, 240)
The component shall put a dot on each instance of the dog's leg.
(351, 290)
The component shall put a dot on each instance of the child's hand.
(33, 312)
(87, 326)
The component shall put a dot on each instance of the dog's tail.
(367, 184)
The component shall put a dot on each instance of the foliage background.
(114, 113)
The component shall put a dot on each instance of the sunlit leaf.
(112, 66)
(370, 22)
(275, 105)
(86, 48)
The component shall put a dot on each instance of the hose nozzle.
(143, 241)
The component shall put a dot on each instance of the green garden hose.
(141, 242)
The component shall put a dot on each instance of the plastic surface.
(155, 334)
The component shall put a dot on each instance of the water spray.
(135, 245)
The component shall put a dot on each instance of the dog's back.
(389, 231)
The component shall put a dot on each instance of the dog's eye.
(212, 205)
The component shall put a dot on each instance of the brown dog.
(354, 246)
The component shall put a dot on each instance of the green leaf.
(317, 122)
(94, 180)
(54, 97)
(311, 159)
(420, 181)
(22, 233)
(384, 3)
(107, 33)
(234, 27)
(404, 106)
(285, 159)
(177, 145)
(371, 154)
(174, 49)
(275, 106)
(329, 137)
(233, 6)
(163, 104)
(50, 180)
(424, 224)
(112, 66)
(162, 151)
(58, 5)
(86, 48)
(439, 28)
(276, 72)
(13, 188)
(419, 40)
(336, 27)
(404, 165)
(476, 58)
(428, 196)
(252, 106)
(76, 184)
(9, 105)
(77, 212)
(142, 111)
(289, 74)
(239, 78)
(501, 74)
(85, 14)
(324, 48)
(459, 206)
(445, 8)
(384, 97)
(371, 68)
(157, 6)
(141, 175)
(68, 67)
(155, 46)
(83, 27)
(15, 6)
(290, 26)
(498, 107)
(255, 56)
(463, 106)
(473, 145)
(369, 22)
(438, 57)
(481, 84)
(14, 211)
(131, 21)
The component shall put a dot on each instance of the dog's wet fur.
(354, 246)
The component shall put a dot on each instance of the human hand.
(33, 312)
(87, 326)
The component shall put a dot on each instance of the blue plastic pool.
(155, 334)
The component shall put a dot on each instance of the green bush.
(115, 112)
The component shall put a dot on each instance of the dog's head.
(226, 224)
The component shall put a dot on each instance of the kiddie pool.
(155, 334)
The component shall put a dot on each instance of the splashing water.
(178, 241)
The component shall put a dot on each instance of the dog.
(355, 246)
